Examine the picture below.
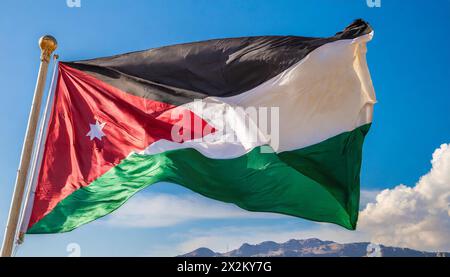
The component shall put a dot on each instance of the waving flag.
(111, 129)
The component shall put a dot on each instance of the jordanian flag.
(180, 114)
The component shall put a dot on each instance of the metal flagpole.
(37, 159)
(47, 44)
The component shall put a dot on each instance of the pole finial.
(47, 44)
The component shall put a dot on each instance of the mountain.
(312, 248)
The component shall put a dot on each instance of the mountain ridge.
(314, 247)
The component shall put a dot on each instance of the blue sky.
(408, 59)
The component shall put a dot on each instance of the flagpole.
(47, 44)
(30, 186)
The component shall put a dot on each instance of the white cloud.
(366, 197)
(416, 217)
(162, 210)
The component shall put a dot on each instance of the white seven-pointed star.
(96, 130)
